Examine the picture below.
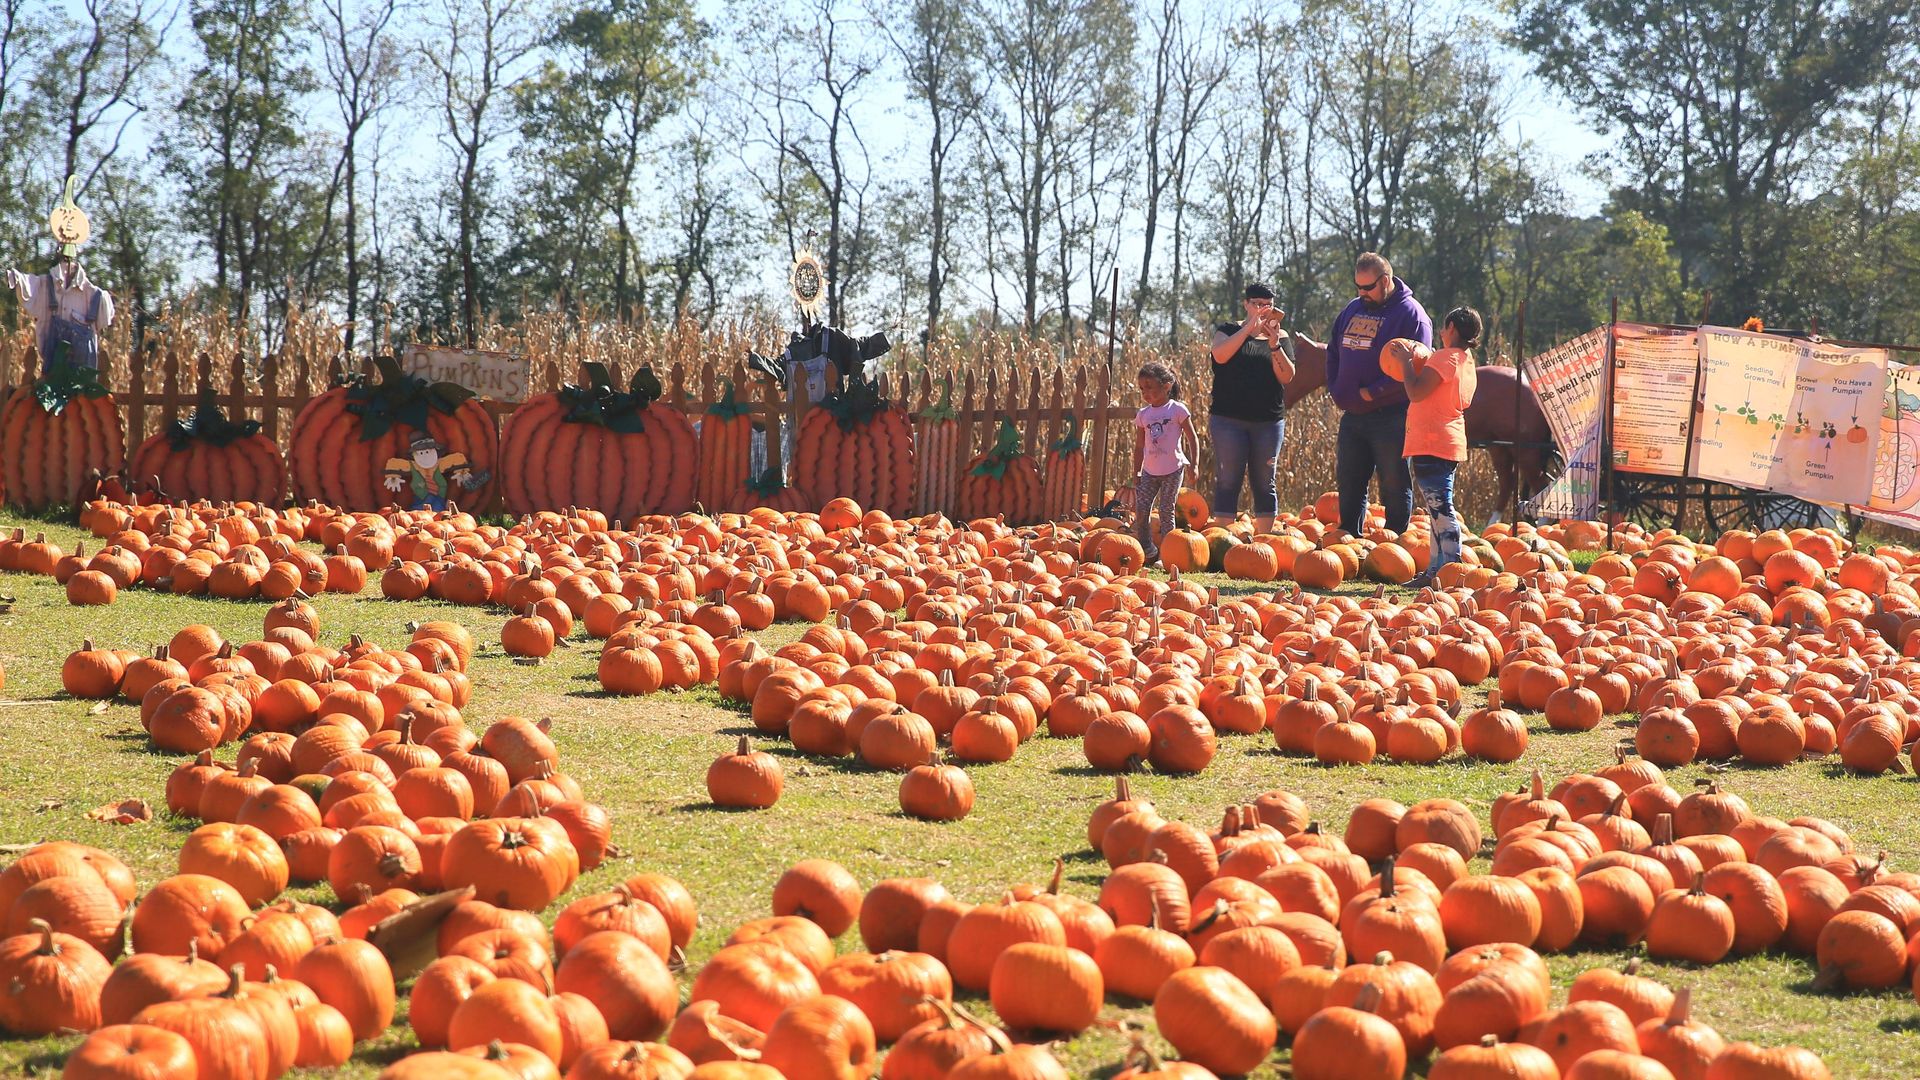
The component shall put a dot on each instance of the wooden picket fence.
(1035, 383)
(1018, 380)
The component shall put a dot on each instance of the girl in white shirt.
(1164, 446)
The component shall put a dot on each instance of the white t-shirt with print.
(1160, 427)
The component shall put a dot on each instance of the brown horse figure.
(1504, 410)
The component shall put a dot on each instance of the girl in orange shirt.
(1440, 388)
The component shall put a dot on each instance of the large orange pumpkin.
(342, 439)
(1320, 569)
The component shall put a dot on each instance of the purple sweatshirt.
(1353, 349)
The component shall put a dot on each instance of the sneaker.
(1423, 580)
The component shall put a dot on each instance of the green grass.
(645, 760)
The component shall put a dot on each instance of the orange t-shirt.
(1437, 426)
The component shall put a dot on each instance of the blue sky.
(891, 125)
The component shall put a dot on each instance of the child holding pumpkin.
(1165, 445)
(1440, 385)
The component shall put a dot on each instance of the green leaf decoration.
(1006, 447)
(61, 382)
(769, 483)
(599, 403)
(857, 402)
(728, 407)
(944, 410)
(209, 425)
(1073, 441)
(390, 396)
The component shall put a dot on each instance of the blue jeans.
(1435, 478)
(1370, 445)
(1244, 448)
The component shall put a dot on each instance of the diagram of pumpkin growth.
(1816, 440)
(1896, 466)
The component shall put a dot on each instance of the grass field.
(645, 760)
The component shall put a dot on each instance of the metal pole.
(1113, 318)
(1606, 419)
(1106, 400)
(1519, 384)
(1686, 455)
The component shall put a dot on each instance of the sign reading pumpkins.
(496, 375)
(1793, 416)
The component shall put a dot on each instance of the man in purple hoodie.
(1373, 421)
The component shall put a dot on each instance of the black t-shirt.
(1244, 387)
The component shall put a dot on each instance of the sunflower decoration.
(1753, 325)
(807, 281)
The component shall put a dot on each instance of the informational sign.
(1653, 403)
(1896, 466)
(500, 376)
(1786, 415)
(1567, 380)
(1829, 449)
(1746, 397)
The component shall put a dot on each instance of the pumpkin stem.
(1219, 912)
(1386, 878)
(235, 976)
(1682, 1007)
(1368, 999)
(1059, 871)
(744, 747)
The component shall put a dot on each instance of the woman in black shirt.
(1247, 417)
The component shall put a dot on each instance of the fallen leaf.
(124, 812)
(527, 661)
(49, 804)
(99, 709)
(408, 936)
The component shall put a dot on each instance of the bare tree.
(1056, 66)
(23, 120)
(699, 216)
(1253, 166)
(96, 73)
(937, 45)
(364, 68)
(809, 81)
(477, 52)
(1190, 64)
(1377, 105)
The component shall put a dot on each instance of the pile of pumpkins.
(1369, 972)
(1268, 927)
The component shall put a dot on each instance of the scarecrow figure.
(68, 311)
(431, 472)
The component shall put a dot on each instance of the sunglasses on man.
(1369, 286)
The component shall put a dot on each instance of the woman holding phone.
(1247, 416)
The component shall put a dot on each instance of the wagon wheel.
(1652, 502)
(1729, 507)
